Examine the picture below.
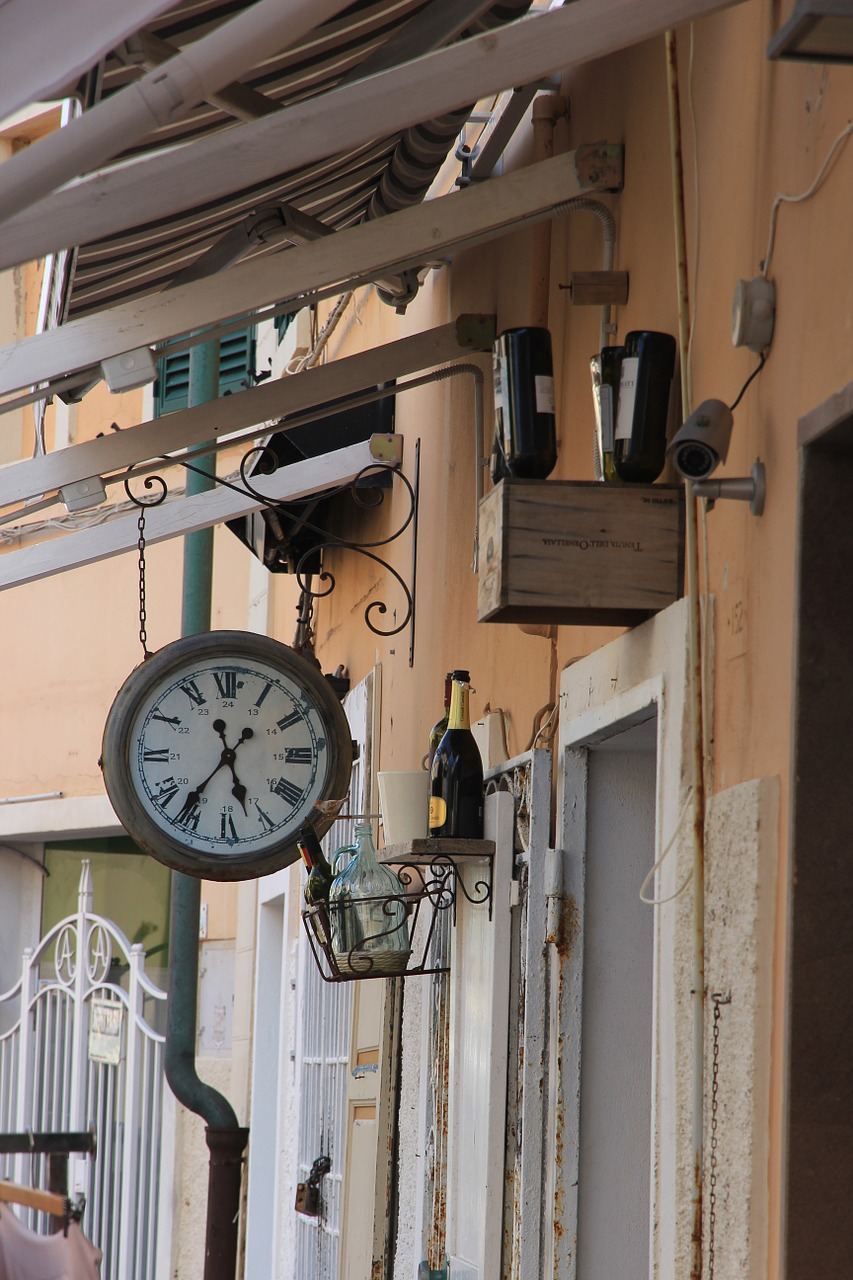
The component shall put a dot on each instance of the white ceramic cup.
(404, 804)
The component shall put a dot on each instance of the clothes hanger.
(34, 1198)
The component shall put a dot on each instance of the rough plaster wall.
(191, 1177)
(741, 846)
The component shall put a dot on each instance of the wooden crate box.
(576, 552)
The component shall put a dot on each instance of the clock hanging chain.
(143, 634)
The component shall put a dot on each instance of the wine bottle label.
(500, 382)
(437, 811)
(544, 394)
(627, 393)
(606, 394)
(501, 393)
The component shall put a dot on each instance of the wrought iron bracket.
(261, 460)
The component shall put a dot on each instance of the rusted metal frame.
(566, 994)
(528, 777)
(388, 1134)
(536, 1030)
(515, 1134)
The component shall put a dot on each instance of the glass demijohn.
(368, 914)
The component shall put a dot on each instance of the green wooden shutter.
(171, 390)
(236, 361)
(236, 364)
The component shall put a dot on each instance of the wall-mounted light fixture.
(817, 31)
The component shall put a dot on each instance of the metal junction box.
(579, 553)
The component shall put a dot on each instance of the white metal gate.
(85, 975)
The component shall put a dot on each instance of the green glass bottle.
(436, 733)
(320, 873)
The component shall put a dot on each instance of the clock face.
(219, 748)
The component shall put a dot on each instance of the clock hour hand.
(238, 791)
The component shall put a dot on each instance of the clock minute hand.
(238, 790)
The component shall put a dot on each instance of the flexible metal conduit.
(584, 204)
(695, 677)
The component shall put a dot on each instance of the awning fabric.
(389, 174)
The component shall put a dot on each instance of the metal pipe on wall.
(226, 1140)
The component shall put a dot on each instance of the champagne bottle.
(436, 733)
(320, 874)
(456, 779)
(639, 448)
(525, 422)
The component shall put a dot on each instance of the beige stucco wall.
(69, 641)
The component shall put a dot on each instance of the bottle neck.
(312, 851)
(459, 715)
(448, 693)
(364, 842)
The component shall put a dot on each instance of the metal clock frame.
(119, 744)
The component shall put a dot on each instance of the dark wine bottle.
(456, 779)
(436, 733)
(320, 874)
(525, 421)
(639, 447)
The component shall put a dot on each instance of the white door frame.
(600, 695)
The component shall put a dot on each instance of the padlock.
(308, 1199)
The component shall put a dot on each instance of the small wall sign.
(105, 1023)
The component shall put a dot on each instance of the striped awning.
(388, 174)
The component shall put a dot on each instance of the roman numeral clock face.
(217, 750)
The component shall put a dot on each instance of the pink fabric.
(25, 1255)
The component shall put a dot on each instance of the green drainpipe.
(226, 1140)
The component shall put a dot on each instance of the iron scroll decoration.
(263, 460)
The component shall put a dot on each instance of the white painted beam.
(246, 409)
(339, 121)
(179, 516)
(55, 42)
(364, 252)
(165, 94)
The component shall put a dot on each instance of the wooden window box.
(579, 553)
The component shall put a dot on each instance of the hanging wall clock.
(219, 747)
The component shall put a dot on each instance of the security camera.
(702, 442)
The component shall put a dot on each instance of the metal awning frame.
(281, 283)
(251, 413)
(424, 233)
(354, 115)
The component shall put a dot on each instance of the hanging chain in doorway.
(718, 999)
(153, 500)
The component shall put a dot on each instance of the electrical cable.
(761, 363)
(780, 198)
(657, 902)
